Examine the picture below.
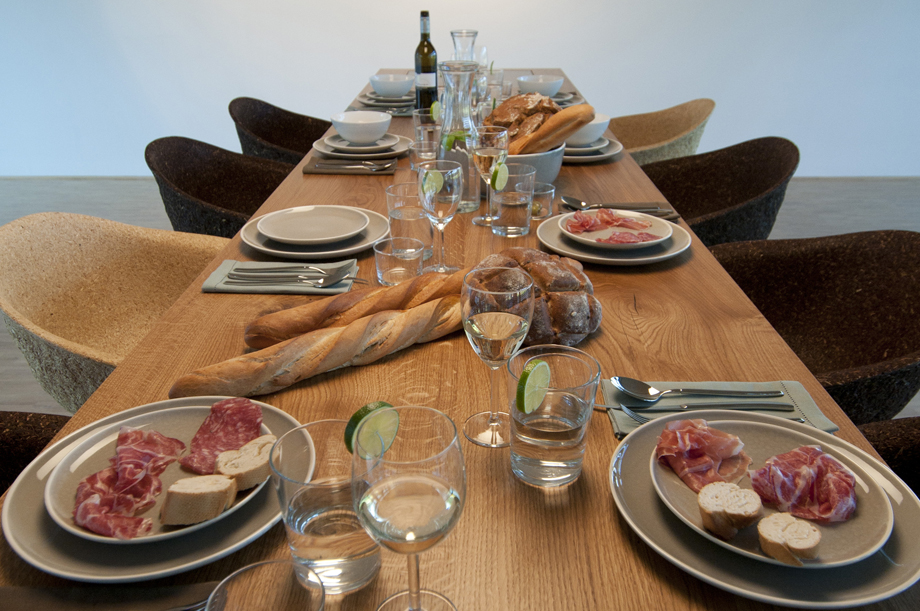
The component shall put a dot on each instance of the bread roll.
(195, 499)
(787, 538)
(248, 465)
(554, 130)
(727, 508)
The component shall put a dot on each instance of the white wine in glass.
(440, 184)
(489, 144)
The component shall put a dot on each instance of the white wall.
(85, 85)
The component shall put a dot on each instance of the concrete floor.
(813, 207)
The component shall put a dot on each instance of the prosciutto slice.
(609, 218)
(231, 424)
(581, 223)
(809, 484)
(700, 454)
(624, 237)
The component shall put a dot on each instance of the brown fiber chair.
(78, 293)
(730, 194)
(898, 443)
(23, 435)
(847, 306)
(663, 134)
(210, 190)
(274, 133)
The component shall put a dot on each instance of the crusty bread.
(195, 499)
(787, 538)
(248, 465)
(726, 508)
(554, 130)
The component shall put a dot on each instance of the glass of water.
(407, 217)
(548, 436)
(512, 201)
(311, 472)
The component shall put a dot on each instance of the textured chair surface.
(23, 435)
(898, 442)
(78, 293)
(730, 194)
(210, 190)
(663, 134)
(274, 133)
(847, 306)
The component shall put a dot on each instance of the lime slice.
(532, 386)
(435, 109)
(385, 426)
(432, 183)
(499, 177)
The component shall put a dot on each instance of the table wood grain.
(516, 547)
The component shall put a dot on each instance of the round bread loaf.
(565, 310)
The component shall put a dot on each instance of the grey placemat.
(796, 395)
(310, 168)
(215, 282)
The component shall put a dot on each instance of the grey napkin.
(215, 282)
(805, 406)
(310, 168)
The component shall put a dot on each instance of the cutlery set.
(657, 209)
(373, 166)
(291, 274)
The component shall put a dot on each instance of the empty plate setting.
(307, 225)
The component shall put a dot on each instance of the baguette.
(554, 130)
(360, 342)
(786, 538)
(195, 499)
(727, 508)
(341, 310)
(248, 465)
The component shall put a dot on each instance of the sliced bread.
(787, 538)
(195, 499)
(726, 508)
(248, 465)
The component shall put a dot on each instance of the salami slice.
(231, 424)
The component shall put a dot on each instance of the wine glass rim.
(455, 440)
(497, 267)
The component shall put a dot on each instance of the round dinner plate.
(662, 229)
(369, 101)
(842, 543)
(313, 225)
(397, 149)
(551, 235)
(38, 540)
(409, 97)
(611, 149)
(890, 570)
(337, 142)
(377, 228)
(563, 96)
(572, 101)
(588, 148)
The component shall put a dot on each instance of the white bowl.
(588, 134)
(361, 126)
(547, 163)
(392, 85)
(545, 84)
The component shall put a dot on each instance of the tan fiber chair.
(78, 293)
(664, 134)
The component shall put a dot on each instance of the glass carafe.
(463, 44)
(456, 125)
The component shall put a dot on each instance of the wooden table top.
(515, 547)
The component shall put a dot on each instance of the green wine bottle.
(426, 68)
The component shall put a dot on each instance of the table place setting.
(361, 146)
(283, 278)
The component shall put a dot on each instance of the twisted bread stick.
(341, 310)
(360, 342)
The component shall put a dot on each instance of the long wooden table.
(515, 547)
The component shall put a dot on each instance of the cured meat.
(809, 484)
(624, 237)
(231, 424)
(700, 454)
(581, 223)
(609, 218)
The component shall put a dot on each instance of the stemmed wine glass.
(489, 145)
(409, 488)
(440, 185)
(496, 308)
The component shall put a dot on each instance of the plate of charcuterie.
(615, 229)
(845, 537)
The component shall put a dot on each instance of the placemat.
(215, 282)
(310, 168)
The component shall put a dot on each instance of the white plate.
(409, 97)
(369, 101)
(93, 456)
(893, 569)
(661, 228)
(398, 149)
(338, 143)
(550, 235)
(588, 148)
(610, 150)
(35, 537)
(313, 225)
(572, 101)
(563, 96)
(842, 543)
(377, 228)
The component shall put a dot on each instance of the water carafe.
(457, 124)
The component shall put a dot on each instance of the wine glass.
(496, 310)
(439, 188)
(409, 488)
(489, 144)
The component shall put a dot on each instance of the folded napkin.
(310, 168)
(805, 406)
(215, 282)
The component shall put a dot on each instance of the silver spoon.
(576, 204)
(640, 390)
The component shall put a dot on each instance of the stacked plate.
(567, 98)
(315, 232)
(401, 106)
(600, 149)
(337, 147)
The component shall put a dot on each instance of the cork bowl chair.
(663, 134)
(274, 133)
(23, 435)
(78, 293)
(847, 306)
(210, 190)
(898, 443)
(731, 194)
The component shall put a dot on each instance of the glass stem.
(495, 401)
(489, 213)
(441, 263)
(415, 603)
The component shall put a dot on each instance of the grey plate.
(395, 151)
(378, 227)
(892, 569)
(610, 150)
(35, 537)
(550, 235)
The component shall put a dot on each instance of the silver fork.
(643, 419)
(314, 282)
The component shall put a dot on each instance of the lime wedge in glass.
(432, 183)
(384, 426)
(532, 385)
(500, 178)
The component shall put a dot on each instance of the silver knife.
(745, 406)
